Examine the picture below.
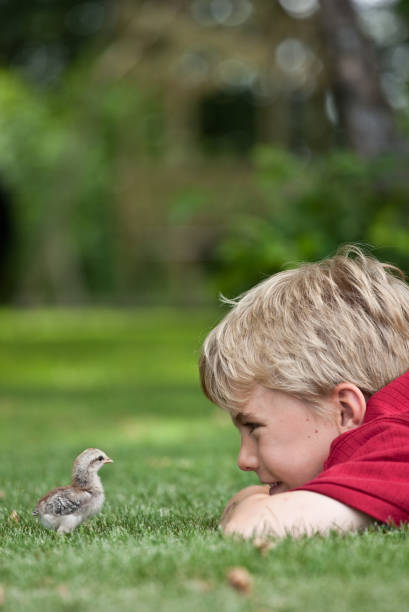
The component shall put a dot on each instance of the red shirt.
(368, 467)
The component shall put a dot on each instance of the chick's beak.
(108, 460)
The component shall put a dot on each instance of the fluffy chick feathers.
(64, 508)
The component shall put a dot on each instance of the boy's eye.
(251, 426)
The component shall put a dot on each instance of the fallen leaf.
(14, 516)
(240, 580)
(2, 494)
(264, 545)
(2, 597)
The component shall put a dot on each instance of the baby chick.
(64, 508)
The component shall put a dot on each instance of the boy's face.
(282, 440)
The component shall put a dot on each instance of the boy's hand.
(230, 509)
(294, 513)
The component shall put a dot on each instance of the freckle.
(307, 420)
(308, 437)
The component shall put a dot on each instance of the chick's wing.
(65, 501)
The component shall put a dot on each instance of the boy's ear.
(350, 406)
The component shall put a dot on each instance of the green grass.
(127, 382)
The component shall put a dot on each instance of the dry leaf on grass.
(240, 580)
(2, 598)
(2, 494)
(14, 516)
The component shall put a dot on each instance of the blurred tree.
(312, 207)
(7, 236)
(363, 110)
(403, 8)
(42, 38)
(137, 170)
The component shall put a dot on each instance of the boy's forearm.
(294, 513)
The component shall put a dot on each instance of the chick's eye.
(100, 458)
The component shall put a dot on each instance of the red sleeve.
(368, 469)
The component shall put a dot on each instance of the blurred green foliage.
(59, 157)
(314, 206)
(114, 194)
(62, 157)
(61, 183)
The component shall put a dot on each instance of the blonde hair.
(304, 330)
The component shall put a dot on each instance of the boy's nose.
(247, 460)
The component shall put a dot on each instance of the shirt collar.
(390, 400)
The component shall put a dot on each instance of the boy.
(311, 366)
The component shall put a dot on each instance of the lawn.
(126, 382)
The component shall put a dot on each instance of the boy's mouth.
(273, 486)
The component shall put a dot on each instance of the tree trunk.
(364, 114)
